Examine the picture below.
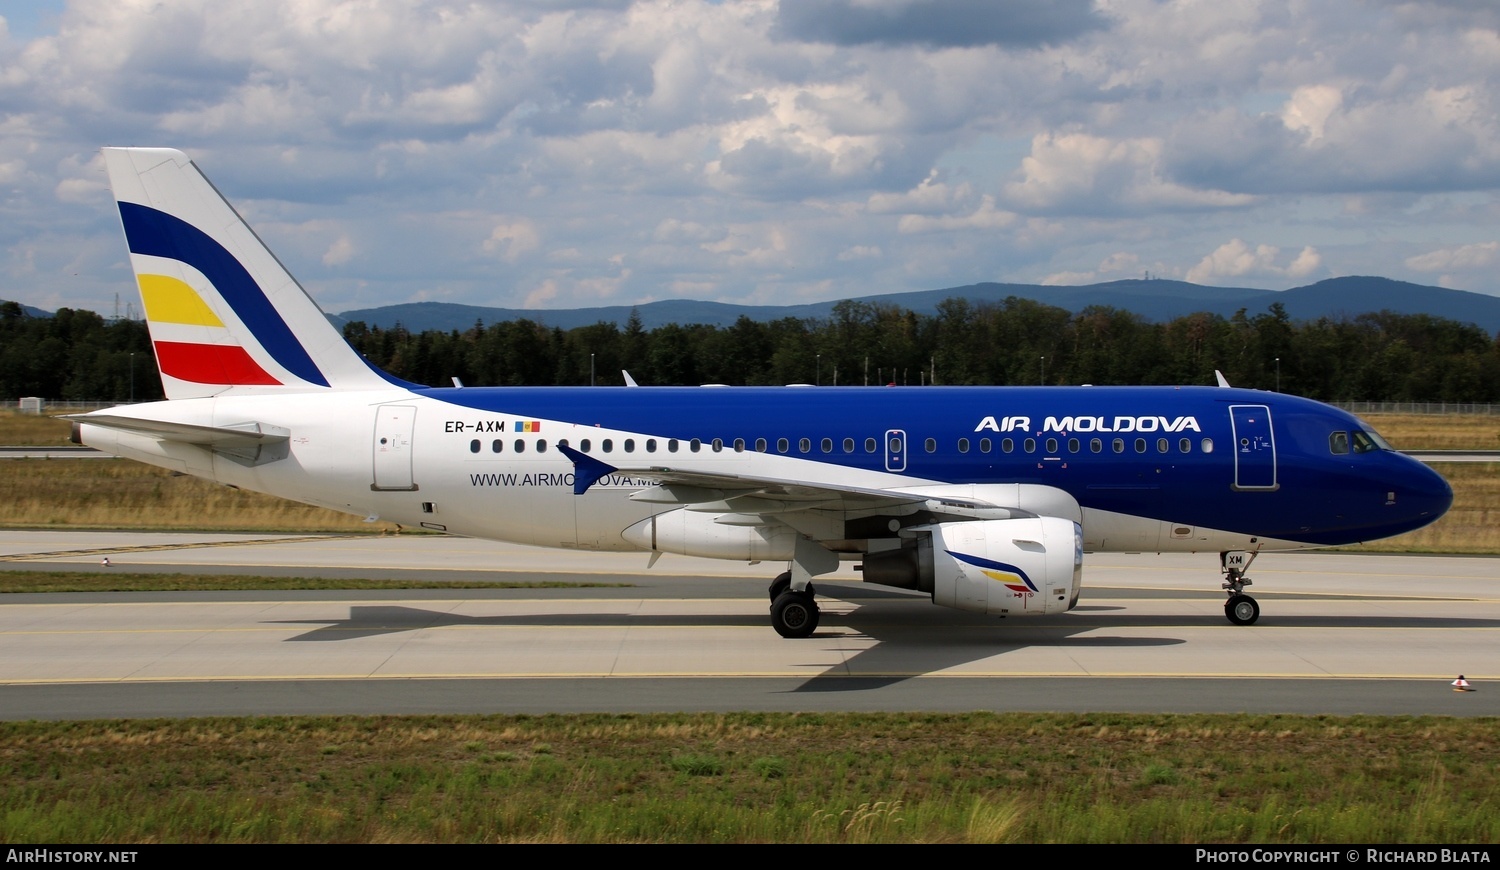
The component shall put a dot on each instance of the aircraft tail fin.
(224, 314)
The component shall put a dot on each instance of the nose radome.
(1425, 492)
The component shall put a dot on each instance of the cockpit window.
(1368, 442)
(1338, 443)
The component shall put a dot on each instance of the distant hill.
(1153, 299)
(29, 311)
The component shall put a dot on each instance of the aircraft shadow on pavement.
(905, 627)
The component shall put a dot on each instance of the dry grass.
(113, 494)
(1438, 431)
(32, 430)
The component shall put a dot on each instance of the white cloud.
(985, 217)
(512, 239)
(340, 252)
(1309, 109)
(1463, 258)
(860, 252)
(1069, 279)
(1236, 259)
(1077, 172)
(513, 152)
(1120, 262)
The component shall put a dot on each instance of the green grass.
(109, 580)
(755, 778)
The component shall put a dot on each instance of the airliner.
(983, 498)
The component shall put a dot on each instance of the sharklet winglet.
(586, 469)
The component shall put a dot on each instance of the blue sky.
(547, 154)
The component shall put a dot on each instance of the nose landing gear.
(1240, 609)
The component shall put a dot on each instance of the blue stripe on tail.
(158, 234)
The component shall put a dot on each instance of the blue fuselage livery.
(984, 498)
(1167, 454)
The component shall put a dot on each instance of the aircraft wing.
(753, 495)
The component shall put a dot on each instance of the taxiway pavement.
(1339, 634)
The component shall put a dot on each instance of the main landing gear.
(793, 614)
(1241, 609)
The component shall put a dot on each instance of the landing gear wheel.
(794, 614)
(782, 583)
(1242, 610)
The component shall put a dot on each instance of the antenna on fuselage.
(1223, 381)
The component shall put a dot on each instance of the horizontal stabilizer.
(248, 434)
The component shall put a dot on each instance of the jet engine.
(1029, 565)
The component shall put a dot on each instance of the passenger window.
(1096, 445)
(930, 445)
(963, 445)
(1007, 444)
(608, 445)
(1030, 445)
(1161, 445)
(782, 445)
(629, 445)
(1051, 446)
(760, 445)
(541, 446)
(1072, 445)
(1208, 445)
(871, 445)
(718, 445)
(804, 445)
(1338, 443)
(497, 445)
(984, 445)
(848, 445)
(1185, 445)
(695, 445)
(739, 445)
(1140, 445)
(671, 445)
(1119, 445)
(827, 445)
(474, 446)
(584, 445)
(650, 445)
(521, 446)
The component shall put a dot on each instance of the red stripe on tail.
(211, 364)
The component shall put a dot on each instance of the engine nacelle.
(1018, 566)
